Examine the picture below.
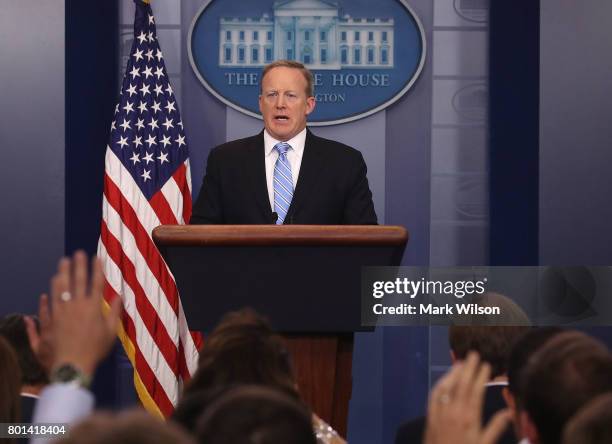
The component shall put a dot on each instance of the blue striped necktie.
(283, 183)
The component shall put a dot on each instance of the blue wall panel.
(32, 146)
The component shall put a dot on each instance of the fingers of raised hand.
(80, 275)
(44, 315)
(32, 332)
(60, 285)
(443, 391)
(481, 378)
(467, 378)
(495, 427)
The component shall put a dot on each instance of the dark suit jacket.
(332, 187)
(27, 411)
(27, 408)
(413, 431)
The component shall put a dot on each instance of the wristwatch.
(70, 374)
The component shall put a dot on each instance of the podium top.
(281, 235)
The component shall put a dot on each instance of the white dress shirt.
(294, 156)
(61, 403)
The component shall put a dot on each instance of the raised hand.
(455, 407)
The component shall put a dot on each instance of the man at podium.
(285, 174)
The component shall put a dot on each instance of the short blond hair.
(294, 65)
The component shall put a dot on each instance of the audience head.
(523, 349)
(13, 329)
(193, 404)
(565, 374)
(256, 415)
(493, 343)
(131, 427)
(10, 383)
(243, 349)
(592, 424)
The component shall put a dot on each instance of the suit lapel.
(255, 169)
(307, 179)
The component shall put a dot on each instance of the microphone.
(274, 217)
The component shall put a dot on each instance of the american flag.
(147, 183)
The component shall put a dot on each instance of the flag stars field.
(138, 54)
(145, 90)
(147, 72)
(168, 124)
(147, 115)
(151, 140)
(142, 37)
(135, 72)
(148, 158)
(135, 158)
(125, 125)
(165, 141)
(163, 157)
(123, 142)
(137, 141)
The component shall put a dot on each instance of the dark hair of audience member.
(243, 349)
(13, 328)
(131, 427)
(565, 374)
(255, 415)
(493, 343)
(191, 406)
(10, 383)
(523, 349)
(592, 424)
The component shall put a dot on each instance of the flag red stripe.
(184, 370)
(147, 376)
(147, 248)
(180, 177)
(147, 312)
(162, 209)
(198, 339)
(151, 255)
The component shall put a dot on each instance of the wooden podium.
(306, 279)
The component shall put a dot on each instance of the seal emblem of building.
(364, 55)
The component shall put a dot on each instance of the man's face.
(284, 103)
